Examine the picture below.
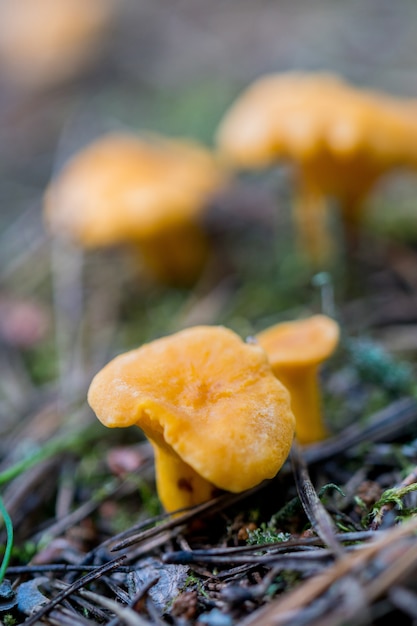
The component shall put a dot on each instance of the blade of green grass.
(9, 542)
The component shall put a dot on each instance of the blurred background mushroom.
(210, 405)
(147, 193)
(339, 138)
(44, 42)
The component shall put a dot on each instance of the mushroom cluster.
(340, 140)
(148, 193)
(220, 413)
(209, 403)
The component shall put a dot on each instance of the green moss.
(193, 582)
(266, 534)
(375, 365)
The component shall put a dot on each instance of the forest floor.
(330, 540)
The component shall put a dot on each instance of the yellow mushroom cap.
(43, 41)
(205, 396)
(122, 188)
(300, 343)
(302, 117)
(279, 116)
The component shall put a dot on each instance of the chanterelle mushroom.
(147, 192)
(46, 41)
(339, 138)
(295, 350)
(209, 403)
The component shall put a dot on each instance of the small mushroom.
(147, 193)
(295, 350)
(210, 405)
(339, 139)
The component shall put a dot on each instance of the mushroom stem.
(177, 255)
(305, 402)
(178, 485)
(310, 212)
(351, 213)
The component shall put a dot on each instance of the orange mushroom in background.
(340, 140)
(46, 41)
(209, 403)
(295, 350)
(148, 193)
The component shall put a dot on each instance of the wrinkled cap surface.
(208, 397)
(125, 188)
(300, 343)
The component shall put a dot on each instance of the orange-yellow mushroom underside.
(205, 397)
